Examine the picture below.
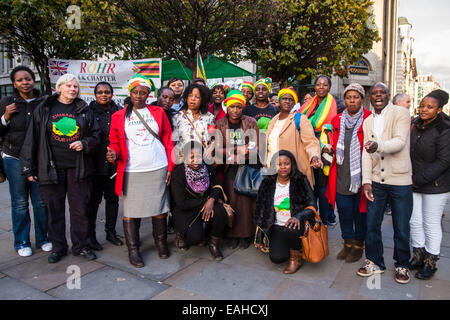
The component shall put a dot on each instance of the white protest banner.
(117, 73)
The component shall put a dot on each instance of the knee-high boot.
(131, 231)
(160, 236)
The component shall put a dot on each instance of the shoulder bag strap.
(195, 129)
(146, 124)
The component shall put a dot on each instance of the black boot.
(131, 230)
(180, 243)
(112, 237)
(160, 236)
(214, 248)
(416, 262)
(92, 217)
(429, 267)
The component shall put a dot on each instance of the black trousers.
(103, 186)
(54, 197)
(283, 239)
(215, 227)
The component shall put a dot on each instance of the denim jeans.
(352, 222)
(325, 209)
(20, 189)
(401, 200)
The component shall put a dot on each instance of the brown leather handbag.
(315, 240)
(229, 210)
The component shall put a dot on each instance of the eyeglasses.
(103, 92)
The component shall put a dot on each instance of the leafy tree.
(310, 37)
(179, 29)
(42, 29)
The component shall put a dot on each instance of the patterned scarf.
(324, 113)
(355, 148)
(198, 180)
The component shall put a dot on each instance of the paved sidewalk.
(194, 275)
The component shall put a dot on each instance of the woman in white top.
(144, 156)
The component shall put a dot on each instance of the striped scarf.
(355, 148)
(324, 113)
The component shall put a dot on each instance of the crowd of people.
(179, 160)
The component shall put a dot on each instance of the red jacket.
(332, 178)
(117, 140)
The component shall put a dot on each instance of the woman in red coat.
(344, 184)
(143, 152)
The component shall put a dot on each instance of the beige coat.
(303, 148)
(391, 163)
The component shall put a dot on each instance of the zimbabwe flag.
(149, 68)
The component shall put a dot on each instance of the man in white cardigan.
(386, 177)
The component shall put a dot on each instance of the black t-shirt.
(63, 130)
(262, 116)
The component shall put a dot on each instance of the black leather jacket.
(36, 156)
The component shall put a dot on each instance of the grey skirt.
(145, 194)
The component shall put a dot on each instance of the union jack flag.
(58, 67)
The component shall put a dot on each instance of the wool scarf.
(349, 122)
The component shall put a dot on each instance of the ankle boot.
(356, 252)
(295, 262)
(131, 230)
(348, 244)
(416, 262)
(429, 267)
(180, 243)
(214, 248)
(112, 237)
(160, 236)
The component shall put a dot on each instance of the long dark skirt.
(243, 226)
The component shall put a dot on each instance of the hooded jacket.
(430, 155)
(36, 156)
(14, 132)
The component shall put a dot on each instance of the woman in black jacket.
(430, 156)
(197, 194)
(285, 201)
(15, 113)
(57, 153)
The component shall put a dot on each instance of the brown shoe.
(295, 262)
(214, 248)
(356, 252)
(160, 236)
(180, 243)
(348, 244)
(131, 231)
(402, 275)
(369, 269)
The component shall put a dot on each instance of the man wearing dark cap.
(386, 177)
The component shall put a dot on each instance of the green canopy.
(215, 67)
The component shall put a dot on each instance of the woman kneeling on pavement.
(285, 201)
(143, 151)
(344, 183)
(196, 192)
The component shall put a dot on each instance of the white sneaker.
(25, 252)
(47, 247)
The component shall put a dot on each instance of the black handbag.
(247, 181)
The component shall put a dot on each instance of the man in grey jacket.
(386, 177)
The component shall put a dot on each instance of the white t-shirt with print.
(145, 152)
(282, 204)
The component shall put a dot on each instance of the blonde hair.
(68, 77)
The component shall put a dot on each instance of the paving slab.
(230, 282)
(434, 289)
(2, 275)
(9, 257)
(384, 287)
(290, 289)
(42, 275)
(173, 293)
(110, 284)
(12, 289)
(347, 279)
(155, 268)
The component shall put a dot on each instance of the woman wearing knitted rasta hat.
(248, 90)
(293, 132)
(430, 157)
(143, 153)
(240, 140)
